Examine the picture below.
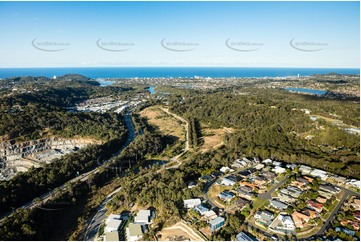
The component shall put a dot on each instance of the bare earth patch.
(180, 229)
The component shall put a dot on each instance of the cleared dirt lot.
(166, 124)
(177, 230)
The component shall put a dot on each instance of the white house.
(143, 217)
(191, 203)
(279, 170)
(259, 166)
(291, 166)
(267, 161)
(286, 222)
(112, 225)
(225, 169)
(227, 182)
(210, 215)
(305, 169)
(319, 173)
(134, 232)
(277, 163)
(113, 216)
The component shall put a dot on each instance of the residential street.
(268, 195)
(334, 212)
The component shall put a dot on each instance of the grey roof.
(329, 188)
(244, 237)
(265, 215)
(216, 221)
(200, 208)
(303, 180)
(278, 204)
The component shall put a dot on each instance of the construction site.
(18, 157)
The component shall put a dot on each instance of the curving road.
(94, 224)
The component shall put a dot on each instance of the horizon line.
(35, 67)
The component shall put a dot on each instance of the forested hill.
(270, 126)
(35, 103)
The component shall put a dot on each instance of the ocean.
(143, 72)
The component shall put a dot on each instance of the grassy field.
(165, 123)
(212, 138)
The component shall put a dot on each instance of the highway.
(93, 224)
(83, 177)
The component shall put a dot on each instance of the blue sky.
(259, 34)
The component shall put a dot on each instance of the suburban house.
(278, 205)
(242, 236)
(321, 200)
(354, 223)
(247, 184)
(112, 223)
(244, 188)
(192, 184)
(191, 203)
(200, 209)
(315, 206)
(216, 174)
(291, 166)
(268, 175)
(225, 169)
(319, 173)
(285, 198)
(230, 180)
(340, 180)
(345, 230)
(205, 178)
(330, 189)
(267, 161)
(256, 159)
(241, 203)
(210, 215)
(216, 223)
(310, 213)
(134, 232)
(324, 194)
(355, 203)
(279, 170)
(300, 219)
(277, 163)
(300, 182)
(244, 173)
(111, 236)
(226, 196)
(260, 181)
(354, 183)
(237, 164)
(286, 222)
(143, 217)
(292, 191)
(305, 169)
(264, 217)
(259, 166)
(244, 194)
